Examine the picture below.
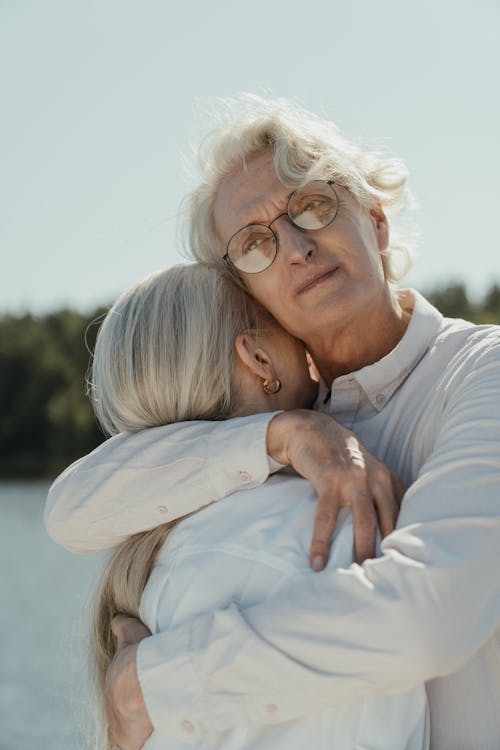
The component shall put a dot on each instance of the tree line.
(47, 421)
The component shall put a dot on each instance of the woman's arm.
(136, 482)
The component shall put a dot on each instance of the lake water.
(43, 592)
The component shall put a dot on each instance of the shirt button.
(244, 477)
(271, 708)
(380, 399)
(188, 726)
(162, 509)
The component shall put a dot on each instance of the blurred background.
(101, 103)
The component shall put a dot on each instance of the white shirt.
(427, 610)
(243, 551)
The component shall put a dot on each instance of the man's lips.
(323, 275)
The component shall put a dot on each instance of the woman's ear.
(254, 357)
(381, 226)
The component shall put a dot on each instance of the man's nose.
(296, 245)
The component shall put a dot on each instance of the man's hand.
(343, 473)
(128, 721)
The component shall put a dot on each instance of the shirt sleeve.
(135, 482)
(419, 611)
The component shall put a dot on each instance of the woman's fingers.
(364, 519)
(372, 505)
(387, 496)
(324, 525)
(398, 489)
(343, 473)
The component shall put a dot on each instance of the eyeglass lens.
(314, 206)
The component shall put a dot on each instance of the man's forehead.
(247, 194)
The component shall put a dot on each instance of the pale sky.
(101, 99)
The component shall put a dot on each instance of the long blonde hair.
(164, 353)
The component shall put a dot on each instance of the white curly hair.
(306, 147)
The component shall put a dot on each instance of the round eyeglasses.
(253, 248)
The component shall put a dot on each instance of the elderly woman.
(187, 344)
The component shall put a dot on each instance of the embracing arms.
(136, 482)
(420, 611)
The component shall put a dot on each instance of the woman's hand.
(343, 473)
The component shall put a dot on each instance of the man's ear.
(254, 357)
(381, 226)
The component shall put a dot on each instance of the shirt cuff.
(165, 672)
(237, 454)
(273, 465)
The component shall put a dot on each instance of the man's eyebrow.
(254, 221)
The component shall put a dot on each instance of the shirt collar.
(380, 380)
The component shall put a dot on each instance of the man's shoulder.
(457, 352)
(450, 332)
(465, 354)
(440, 344)
(459, 334)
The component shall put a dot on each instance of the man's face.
(324, 278)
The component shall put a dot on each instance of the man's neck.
(363, 342)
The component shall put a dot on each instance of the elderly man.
(299, 216)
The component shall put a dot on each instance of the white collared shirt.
(428, 609)
(243, 551)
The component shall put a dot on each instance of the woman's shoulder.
(247, 522)
(271, 524)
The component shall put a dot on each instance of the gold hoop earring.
(272, 387)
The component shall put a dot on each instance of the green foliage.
(47, 421)
(453, 302)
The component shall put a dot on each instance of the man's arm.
(418, 612)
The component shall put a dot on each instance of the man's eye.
(252, 244)
(313, 204)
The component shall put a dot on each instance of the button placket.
(344, 401)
